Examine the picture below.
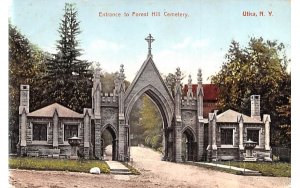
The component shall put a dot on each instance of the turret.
(96, 93)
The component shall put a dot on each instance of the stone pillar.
(267, 120)
(96, 93)
(212, 146)
(200, 140)
(178, 138)
(209, 148)
(200, 124)
(241, 137)
(87, 125)
(178, 126)
(120, 90)
(55, 129)
(22, 124)
(214, 126)
(23, 111)
(164, 144)
(241, 132)
(98, 144)
(122, 138)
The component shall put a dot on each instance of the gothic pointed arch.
(190, 131)
(113, 131)
(149, 81)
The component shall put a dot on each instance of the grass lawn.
(278, 169)
(31, 163)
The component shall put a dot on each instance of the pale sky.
(198, 41)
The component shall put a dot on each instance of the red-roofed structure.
(210, 98)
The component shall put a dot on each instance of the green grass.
(57, 164)
(213, 167)
(132, 169)
(278, 169)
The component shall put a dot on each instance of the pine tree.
(68, 77)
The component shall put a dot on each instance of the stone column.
(200, 124)
(241, 132)
(200, 140)
(122, 138)
(178, 138)
(163, 143)
(22, 124)
(267, 120)
(98, 144)
(87, 124)
(55, 129)
(209, 148)
(23, 111)
(214, 140)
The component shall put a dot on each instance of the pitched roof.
(230, 116)
(48, 111)
(211, 91)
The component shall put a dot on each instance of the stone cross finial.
(199, 76)
(178, 74)
(149, 39)
(121, 74)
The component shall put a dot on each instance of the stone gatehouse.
(184, 111)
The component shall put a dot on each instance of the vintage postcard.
(149, 93)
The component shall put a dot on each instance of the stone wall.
(35, 147)
(109, 115)
(189, 119)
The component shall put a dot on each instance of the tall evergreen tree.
(68, 77)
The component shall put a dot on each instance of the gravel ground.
(155, 173)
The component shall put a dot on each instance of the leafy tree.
(68, 78)
(152, 123)
(260, 68)
(25, 67)
(136, 129)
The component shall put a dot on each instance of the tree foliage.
(151, 121)
(25, 67)
(260, 68)
(68, 78)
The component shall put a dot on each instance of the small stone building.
(45, 132)
(229, 131)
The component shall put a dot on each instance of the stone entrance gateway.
(187, 135)
(44, 132)
(180, 117)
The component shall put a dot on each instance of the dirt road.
(155, 173)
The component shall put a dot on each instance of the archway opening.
(147, 123)
(188, 147)
(108, 143)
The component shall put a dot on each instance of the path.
(118, 168)
(194, 176)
